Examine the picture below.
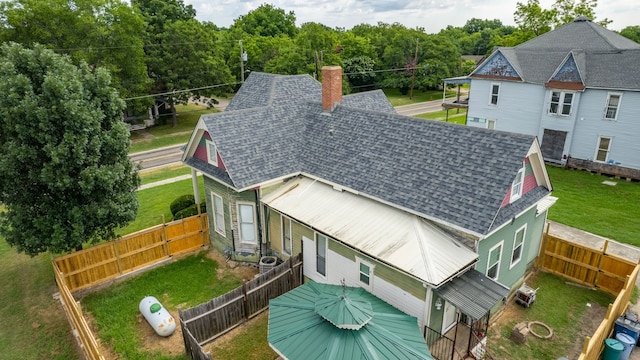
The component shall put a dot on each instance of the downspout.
(259, 222)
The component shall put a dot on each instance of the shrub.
(181, 203)
(185, 213)
(203, 206)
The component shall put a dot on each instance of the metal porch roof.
(473, 293)
(400, 239)
(298, 331)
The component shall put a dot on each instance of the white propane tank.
(157, 316)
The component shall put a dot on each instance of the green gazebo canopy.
(320, 321)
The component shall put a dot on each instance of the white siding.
(518, 109)
(339, 268)
(624, 131)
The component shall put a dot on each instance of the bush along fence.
(96, 265)
(204, 323)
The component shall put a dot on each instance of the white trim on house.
(494, 94)
(600, 148)
(365, 273)
(490, 264)
(243, 230)
(219, 225)
(609, 107)
(523, 230)
(286, 239)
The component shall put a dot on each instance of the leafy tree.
(631, 32)
(531, 17)
(475, 25)
(181, 53)
(267, 20)
(568, 10)
(359, 72)
(102, 33)
(65, 174)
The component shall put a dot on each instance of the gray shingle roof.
(457, 174)
(605, 58)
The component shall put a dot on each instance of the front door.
(553, 144)
(448, 317)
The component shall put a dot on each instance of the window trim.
(495, 95)
(240, 223)
(606, 158)
(522, 229)
(517, 195)
(560, 105)
(371, 267)
(608, 104)
(491, 124)
(326, 250)
(211, 146)
(282, 220)
(222, 230)
(489, 266)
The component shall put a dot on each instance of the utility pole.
(413, 73)
(242, 57)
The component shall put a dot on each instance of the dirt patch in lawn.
(244, 271)
(152, 342)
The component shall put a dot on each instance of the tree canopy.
(65, 174)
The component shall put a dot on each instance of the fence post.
(115, 251)
(602, 255)
(166, 237)
(244, 299)
(543, 245)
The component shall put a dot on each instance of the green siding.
(512, 277)
(230, 241)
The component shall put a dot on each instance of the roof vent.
(581, 18)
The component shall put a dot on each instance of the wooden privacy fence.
(104, 262)
(203, 323)
(584, 265)
(593, 345)
(87, 341)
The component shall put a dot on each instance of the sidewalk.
(165, 181)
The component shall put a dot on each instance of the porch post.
(196, 187)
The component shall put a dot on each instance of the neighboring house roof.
(445, 172)
(307, 323)
(604, 58)
(395, 237)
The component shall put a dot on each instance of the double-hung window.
(247, 223)
(613, 103)
(560, 103)
(602, 152)
(218, 214)
(365, 273)
(287, 242)
(495, 92)
(212, 153)
(493, 263)
(321, 254)
(518, 245)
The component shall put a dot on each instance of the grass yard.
(163, 173)
(155, 201)
(183, 283)
(34, 325)
(454, 116)
(586, 203)
(397, 99)
(572, 312)
(248, 341)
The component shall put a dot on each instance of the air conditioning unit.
(267, 263)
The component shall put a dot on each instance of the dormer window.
(212, 153)
(516, 187)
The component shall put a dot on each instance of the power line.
(180, 91)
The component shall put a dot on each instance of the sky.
(432, 15)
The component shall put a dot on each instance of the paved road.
(420, 108)
(173, 154)
(158, 157)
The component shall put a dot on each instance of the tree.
(102, 33)
(568, 10)
(267, 20)
(65, 174)
(181, 53)
(632, 33)
(531, 17)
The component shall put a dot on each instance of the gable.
(497, 67)
(567, 76)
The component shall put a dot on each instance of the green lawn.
(157, 174)
(183, 283)
(454, 116)
(397, 99)
(558, 305)
(584, 202)
(249, 343)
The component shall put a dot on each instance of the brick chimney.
(331, 87)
